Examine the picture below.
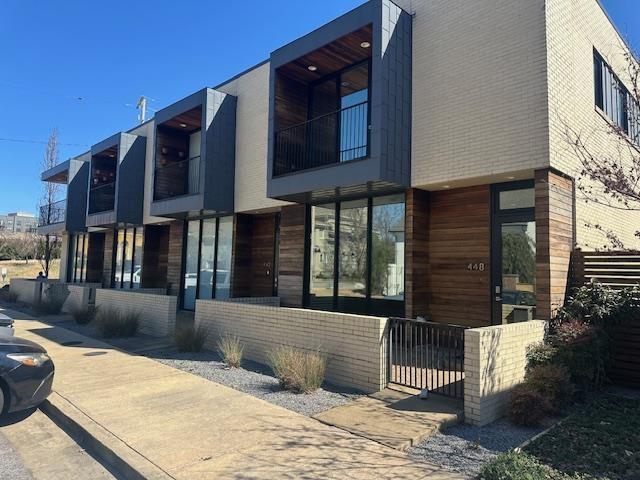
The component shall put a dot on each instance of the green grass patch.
(600, 440)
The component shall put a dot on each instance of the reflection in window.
(223, 267)
(79, 253)
(323, 237)
(513, 199)
(353, 249)
(207, 258)
(128, 253)
(137, 259)
(387, 256)
(518, 271)
(191, 265)
(117, 274)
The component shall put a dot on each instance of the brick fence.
(494, 362)
(27, 290)
(157, 312)
(81, 295)
(355, 345)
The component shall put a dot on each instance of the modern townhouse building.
(407, 159)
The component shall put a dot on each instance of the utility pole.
(142, 107)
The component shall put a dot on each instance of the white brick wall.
(252, 130)
(80, 295)
(157, 312)
(494, 362)
(354, 344)
(266, 301)
(575, 28)
(28, 291)
(479, 89)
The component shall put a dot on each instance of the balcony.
(340, 136)
(340, 108)
(53, 213)
(102, 198)
(195, 155)
(178, 178)
(116, 181)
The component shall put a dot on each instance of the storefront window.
(223, 268)
(128, 253)
(208, 260)
(370, 246)
(79, 253)
(322, 256)
(387, 244)
(353, 249)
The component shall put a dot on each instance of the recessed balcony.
(116, 181)
(68, 214)
(340, 108)
(194, 160)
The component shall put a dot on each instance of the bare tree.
(49, 243)
(612, 179)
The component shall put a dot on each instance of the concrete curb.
(106, 447)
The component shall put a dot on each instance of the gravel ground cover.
(465, 449)
(255, 379)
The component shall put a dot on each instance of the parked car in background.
(26, 374)
(6, 326)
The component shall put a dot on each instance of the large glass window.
(207, 260)
(322, 256)
(79, 247)
(353, 249)
(387, 245)
(368, 235)
(127, 272)
(191, 265)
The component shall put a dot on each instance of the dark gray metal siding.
(130, 178)
(78, 180)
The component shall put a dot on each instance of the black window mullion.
(369, 253)
(200, 239)
(336, 256)
(124, 258)
(214, 275)
(75, 258)
(83, 262)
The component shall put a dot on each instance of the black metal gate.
(427, 355)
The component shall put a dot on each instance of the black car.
(26, 374)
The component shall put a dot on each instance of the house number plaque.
(476, 267)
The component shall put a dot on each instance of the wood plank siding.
(174, 265)
(554, 240)
(459, 235)
(292, 237)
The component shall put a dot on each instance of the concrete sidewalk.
(184, 426)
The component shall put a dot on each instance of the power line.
(19, 140)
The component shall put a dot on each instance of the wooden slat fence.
(617, 270)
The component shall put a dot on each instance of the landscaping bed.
(466, 449)
(255, 379)
(600, 440)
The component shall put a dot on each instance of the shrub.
(553, 382)
(584, 350)
(83, 315)
(527, 407)
(541, 354)
(112, 323)
(231, 351)
(190, 339)
(514, 465)
(298, 370)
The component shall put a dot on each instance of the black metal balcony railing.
(177, 178)
(102, 198)
(53, 213)
(336, 137)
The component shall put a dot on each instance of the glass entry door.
(514, 255)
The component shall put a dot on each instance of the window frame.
(122, 248)
(369, 305)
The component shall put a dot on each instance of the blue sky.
(80, 65)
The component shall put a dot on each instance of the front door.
(513, 253)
